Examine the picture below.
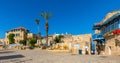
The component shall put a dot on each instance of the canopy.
(116, 31)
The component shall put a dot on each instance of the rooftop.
(19, 28)
(108, 17)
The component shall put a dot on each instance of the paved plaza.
(43, 56)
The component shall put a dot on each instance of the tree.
(46, 16)
(24, 42)
(25, 36)
(32, 42)
(58, 39)
(38, 23)
(11, 38)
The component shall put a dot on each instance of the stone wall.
(70, 41)
(84, 42)
(111, 48)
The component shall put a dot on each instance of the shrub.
(32, 42)
(24, 42)
(11, 38)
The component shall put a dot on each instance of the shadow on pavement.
(11, 57)
(20, 60)
(3, 52)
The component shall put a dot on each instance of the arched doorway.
(98, 43)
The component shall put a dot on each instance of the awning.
(116, 31)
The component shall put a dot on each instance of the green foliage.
(32, 42)
(37, 21)
(24, 42)
(58, 39)
(11, 38)
(61, 36)
(46, 15)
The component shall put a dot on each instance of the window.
(105, 29)
(17, 35)
(119, 23)
(108, 28)
(112, 26)
(116, 25)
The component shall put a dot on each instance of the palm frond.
(37, 21)
(46, 15)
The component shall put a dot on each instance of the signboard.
(76, 46)
(12, 44)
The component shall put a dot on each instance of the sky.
(71, 16)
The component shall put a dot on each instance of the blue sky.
(71, 16)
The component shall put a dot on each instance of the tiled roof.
(19, 28)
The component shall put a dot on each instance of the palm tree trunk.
(47, 26)
(47, 37)
(39, 36)
(38, 32)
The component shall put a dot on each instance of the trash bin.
(80, 51)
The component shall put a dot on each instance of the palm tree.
(39, 34)
(25, 35)
(46, 16)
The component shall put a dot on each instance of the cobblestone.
(43, 56)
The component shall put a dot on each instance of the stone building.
(20, 33)
(109, 27)
(31, 35)
(77, 42)
(81, 42)
(50, 40)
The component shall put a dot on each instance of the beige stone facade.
(31, 35)
(69, 41)
(84, 42)
(74, 43)
(20, 34)
(111, 48)
(110, 29)
(2, 40)
(50, 39)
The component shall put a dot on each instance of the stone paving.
(42, 56)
